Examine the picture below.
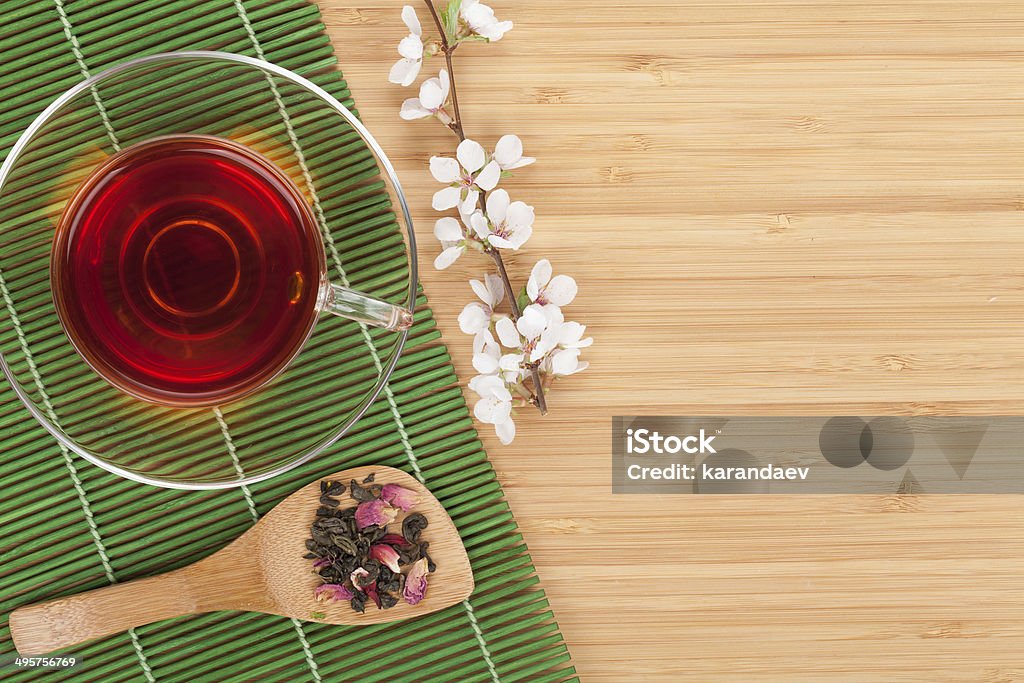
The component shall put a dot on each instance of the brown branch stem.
(456, 127)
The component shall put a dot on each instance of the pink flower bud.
(402, 498)
(416, 582)
(321, 563)
(386, 555)
(331, 591)
(375, 513)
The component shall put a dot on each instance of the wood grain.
(775, 207)
(261, 571)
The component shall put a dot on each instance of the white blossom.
(544, 289)
(566, 358)
(433, 95)
(450, 234)
(494, 406)
(486, 353)
(567, 362)
(509, 153)
(406, 69)
(466, 175)
(535, 334)
(506, 225)
(488, 359)
(476, 316)
(481, 20)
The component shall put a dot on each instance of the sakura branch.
(519, 354)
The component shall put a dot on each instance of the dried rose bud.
(386, 555)
(332, 591)
(402, 498)
(358, 577)
(321, 563)
(375, 513)
(394, 539)
(416, 582)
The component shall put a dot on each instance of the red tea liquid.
(186, 270)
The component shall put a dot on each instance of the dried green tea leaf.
(359, 493)
(412, 526)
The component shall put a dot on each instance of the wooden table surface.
(774, 207)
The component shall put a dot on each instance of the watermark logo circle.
(845, 441)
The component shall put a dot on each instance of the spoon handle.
(226, 580)
(47, 626)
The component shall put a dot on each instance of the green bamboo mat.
(67, 526)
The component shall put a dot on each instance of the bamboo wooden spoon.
(261, 571)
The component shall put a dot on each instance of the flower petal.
(331, 591)
(432, 95)
(411, 20)
(500, 242)
(539, 276)
(495, 32)
(485, 363)
(532, 322)
(571, 335)
(510, 366)
(519, 215)
(358, 578)
(375, 512)
(404, 71)
(525, 161)
(386, 555)
(445, 198)
(519, 236)
(508, 151)
(398, 496)
(554, 315)
(510, 361)
(488, 178)
(480, 289)
(468, 204)
(565, 362)
(506, 431)
(492, 410)
(448, 229)
(446, 84)
(415, 587)
(447, 257)
(561, 290)
(444, 169)
(412, 110)
(497, 206)
(496, 287)
(411, 47)
(507, 333)
(481, 340)
(471, 155)
(479, 223)
(484, 385)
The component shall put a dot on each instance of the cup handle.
(348, 303)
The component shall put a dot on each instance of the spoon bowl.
(264, 570)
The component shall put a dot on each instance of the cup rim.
(48, 421)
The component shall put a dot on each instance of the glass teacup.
(193, 213)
